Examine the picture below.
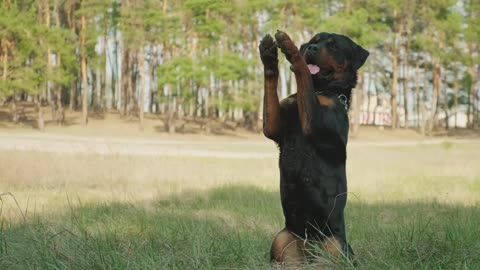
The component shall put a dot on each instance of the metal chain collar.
(342, 98)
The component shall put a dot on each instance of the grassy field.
(410, 207)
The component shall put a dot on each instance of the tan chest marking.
(325, 101)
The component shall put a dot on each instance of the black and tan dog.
(311, 130)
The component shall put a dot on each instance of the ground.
(112, 197)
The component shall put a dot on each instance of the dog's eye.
(332, 45)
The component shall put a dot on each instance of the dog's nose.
(313, 48)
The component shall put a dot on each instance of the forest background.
(196, 61)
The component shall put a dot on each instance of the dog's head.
(333, 60)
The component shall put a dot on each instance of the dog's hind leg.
(287, 249)
(333, 247)
(337, 249)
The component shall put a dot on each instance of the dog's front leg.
(271, 105)
(306, 98)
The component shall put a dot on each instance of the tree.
(363, 26)
(472, 34)
(440, 25)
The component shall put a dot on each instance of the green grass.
(414, 207)
(232, 227)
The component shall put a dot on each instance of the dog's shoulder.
(289, 101)
(288, 106)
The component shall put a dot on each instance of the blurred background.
(130, 132)
(194, 64)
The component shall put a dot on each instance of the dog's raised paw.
(280, 35)
(286, 45)
(268, 51)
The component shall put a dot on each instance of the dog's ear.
(359, 56)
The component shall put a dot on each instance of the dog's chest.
(306, 174)
(300, 160)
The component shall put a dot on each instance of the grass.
(412, 207)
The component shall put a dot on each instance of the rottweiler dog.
(311, 131)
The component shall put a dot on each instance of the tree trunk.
(15, 116)
(60, 114)
(476, 112)
(50, 90)
(445, 109)
(423, 111)
(393, 94)
(394, 85)
(369, 93)
(405, 91)
(471, 98)
(125, 79)
(103, 74)
(417, 93)
(40, 118)
(355, 102)
(97, 96)
(116, 96)
(93, 92)
(113, 101)
(171, 116)
(469, 106)
(98, 88)
(73, 84)
(436, 80)
(153, 106)
(83, 60)
(61, 110)
(423, 99)
(73, 93)
(455, 96)
(131, 83)
(141, 67)
(406, 65)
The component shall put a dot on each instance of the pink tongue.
(314, 69)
